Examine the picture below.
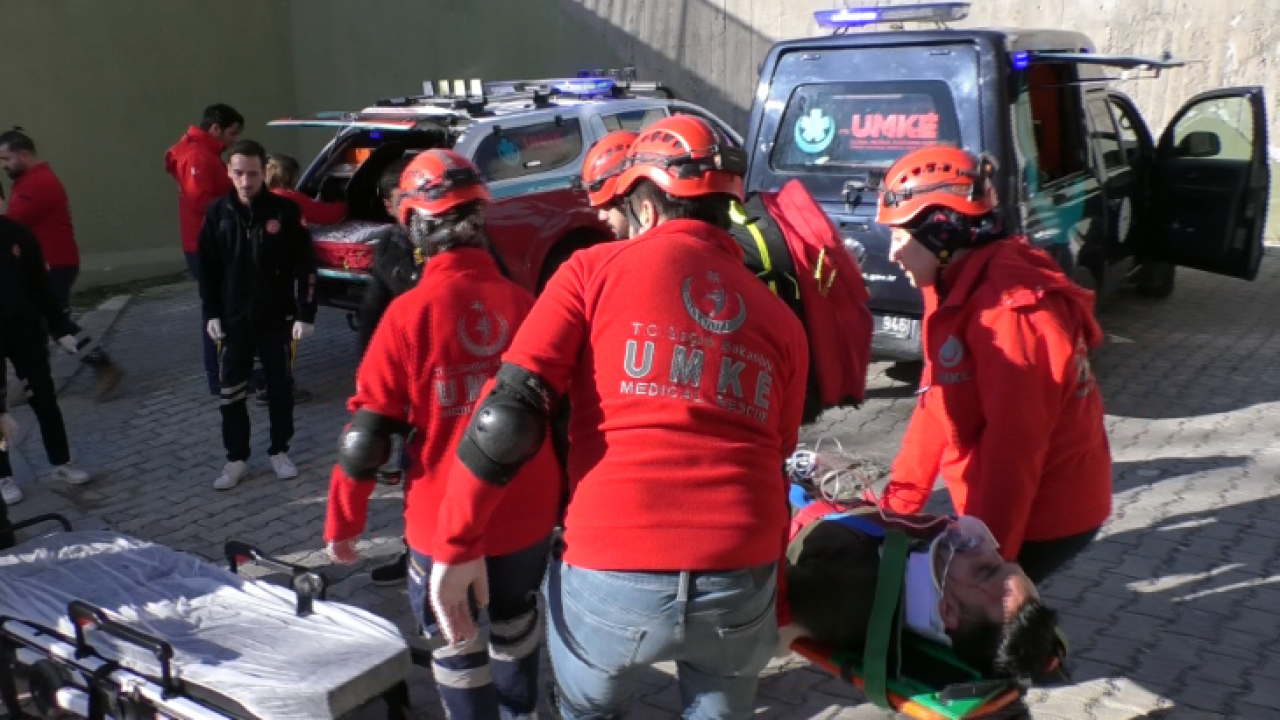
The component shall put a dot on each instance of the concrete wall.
(710, 50)
(348, 54)
(106, 88)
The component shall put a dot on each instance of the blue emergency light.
(585, 86)
(1021, 60)
(856, 17)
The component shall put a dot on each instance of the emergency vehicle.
(1080, 173)
(528, 137)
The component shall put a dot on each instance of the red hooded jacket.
(1009, 410)
(315, 212)
(40, 202)
(432, 353)
(195, 162)
(686, 377)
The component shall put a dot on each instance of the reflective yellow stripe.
(738, 214)
(817, 274)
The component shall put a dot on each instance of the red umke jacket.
(1009, 412)
(832, 292)
(430, 357)
(40, 202)
(195, 162)
(686, 376)
(315, 212)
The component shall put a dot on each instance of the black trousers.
(61, 281)
(26, 348)
(275, 348)
(1041, 558)
(7, 539)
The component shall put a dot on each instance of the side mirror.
(1200, 144)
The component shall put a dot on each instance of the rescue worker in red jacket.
(604, 162)
(1009, 411)
(686, 377)
(40, 202)
(195, 162)
(435, 348)
(282, 179)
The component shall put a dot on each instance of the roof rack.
(475, 97)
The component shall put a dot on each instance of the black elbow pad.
(508, 427)
(366, 444)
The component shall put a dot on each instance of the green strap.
(883, 627)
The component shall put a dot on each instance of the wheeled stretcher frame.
(66, 673)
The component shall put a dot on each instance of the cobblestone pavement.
(1172, 613)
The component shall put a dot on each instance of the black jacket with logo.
(257, 265)
(24, 288)
(395, 271)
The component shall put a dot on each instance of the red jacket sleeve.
(915, 469)
(382, 387)
(316, 212)
(1020, 398)
(547, 344)
(792, 412)
(31, 202)
(202, 178)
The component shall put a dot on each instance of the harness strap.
(738, 214)
(883, 628)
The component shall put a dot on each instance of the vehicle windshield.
(835, 127)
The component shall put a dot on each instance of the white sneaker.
(284, 467)
(232, 472)
(70, 474)
(10, 491)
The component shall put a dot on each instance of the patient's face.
(986, 585)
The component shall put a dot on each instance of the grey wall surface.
(710, 50)
(348, 54)
(105, 88)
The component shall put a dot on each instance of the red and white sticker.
(273, 226)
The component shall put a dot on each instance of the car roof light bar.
(856, 17)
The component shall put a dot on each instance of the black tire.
(1155, 279)
(561, 252)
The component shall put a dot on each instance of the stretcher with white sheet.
(102, 625)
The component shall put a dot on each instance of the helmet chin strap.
(632, 217)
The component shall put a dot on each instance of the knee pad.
(509, 426)
(514, 639)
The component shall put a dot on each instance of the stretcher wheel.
(44, 680)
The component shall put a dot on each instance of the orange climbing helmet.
(437, 181)
(937, 177)
(684, 156)
(604, 163)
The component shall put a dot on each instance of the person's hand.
(8, 428)
(344, 552)
(68, 343)
(302, 331)
(214, 328)
(449, 597)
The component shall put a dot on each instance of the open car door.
(1209, 185)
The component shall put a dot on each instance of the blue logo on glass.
(815, 131)
(508, 152)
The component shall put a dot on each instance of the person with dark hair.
(258, 291)
(956, 589)
(397, 266)
(40, 202)
(195, 162)
(282, 179)
(1009, 411)
(28, 314)
(419, 381)
(686, 379)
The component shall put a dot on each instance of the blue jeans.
(479, 681)
(720, 628)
